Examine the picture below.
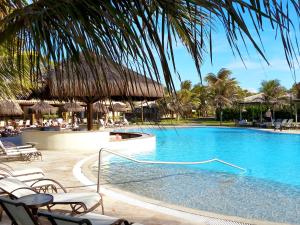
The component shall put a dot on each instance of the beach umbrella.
(72, 107)
(119, 107)
(99, 107)
(43, 107)
(106, 80)
(10, 108)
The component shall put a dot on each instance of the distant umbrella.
(10, 108)
(118, 107)
(73, 107)
(43, 108)
(99, 107)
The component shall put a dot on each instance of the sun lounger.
(278, 124)
(20, 214)
(80, 202)
(288, 124)
(87, 219)
(28, 176)
(25, 152)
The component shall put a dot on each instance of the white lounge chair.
(80, 202)
(101, 123)
(24, 152)
(27, 123)
(28, 176)
(288, 124)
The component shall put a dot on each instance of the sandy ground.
(59, 165)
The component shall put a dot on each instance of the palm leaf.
(133, 33)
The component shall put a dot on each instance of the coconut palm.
(202, 95)
(133, 33)
(223, 89)
(10, 84)
(272, 89)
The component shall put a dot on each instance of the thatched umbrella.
(118, 107)
(43, 108)
(72, 107)
(10, 108)
(105, 80)
(100, 107)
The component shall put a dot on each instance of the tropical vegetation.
(220, 95)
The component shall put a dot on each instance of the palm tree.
(10, 84)
(223, 89)
(272, 89)
(202, 95)
(133, 33)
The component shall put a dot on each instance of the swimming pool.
(270, 190)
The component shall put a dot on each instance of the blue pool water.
(266, 155)
(270, 190)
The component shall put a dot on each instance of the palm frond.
(134, 33)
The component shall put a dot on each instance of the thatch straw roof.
(100, 107)
(105, 80)
(72, 107)
(255, 99)
(10, 108)
(43, 108)
(119, 107)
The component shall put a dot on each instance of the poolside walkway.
(59, 166)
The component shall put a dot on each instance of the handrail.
(162, 162)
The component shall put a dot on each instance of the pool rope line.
(177, 213)
(161, 163)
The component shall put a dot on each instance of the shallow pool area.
(270, 190)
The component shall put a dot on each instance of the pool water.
(270, 190)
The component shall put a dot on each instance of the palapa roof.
(100, 107)
(119, 107)
(257, 98)
(10, 108)
(72, 107)
(43, 107)
(106, 80)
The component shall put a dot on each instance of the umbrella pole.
(142, 112)
(89, 110)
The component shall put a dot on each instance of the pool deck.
(59, 166)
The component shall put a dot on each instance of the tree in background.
(272, 89)
(223, 89)
(202, 96)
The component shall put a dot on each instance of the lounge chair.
(125, 122)
(28, 176)
(87, 219)
(288, 124)
(25, 152)
(278, 124)
(20, 214)
(80, 202)
(102, 123)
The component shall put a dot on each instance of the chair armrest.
(52, 182)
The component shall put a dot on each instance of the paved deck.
(59, 166)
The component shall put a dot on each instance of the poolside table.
(35, 201)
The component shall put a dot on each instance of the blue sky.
(256, 68)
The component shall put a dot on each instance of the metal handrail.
(162, 162)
